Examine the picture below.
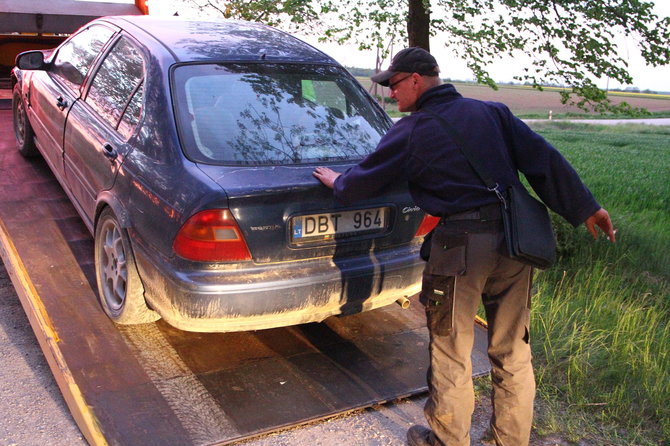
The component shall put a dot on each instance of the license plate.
(331, 225)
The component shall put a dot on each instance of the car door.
(53, 91)
(98, 128)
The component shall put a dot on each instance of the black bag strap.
(470, 155)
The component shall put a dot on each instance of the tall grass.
(600, 316)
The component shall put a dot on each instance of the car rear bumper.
(274, 295)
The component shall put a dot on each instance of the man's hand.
(602, 219)
(326, 176)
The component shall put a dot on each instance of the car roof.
(197, 40)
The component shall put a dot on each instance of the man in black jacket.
(467, 261)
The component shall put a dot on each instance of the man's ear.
(419, 83)
(416, 78)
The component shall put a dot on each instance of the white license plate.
(328, 226)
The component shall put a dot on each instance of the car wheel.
(120, 289)
(22, 129)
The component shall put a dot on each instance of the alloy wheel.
(113, 267)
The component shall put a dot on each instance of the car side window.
(131, 117)
(76, 56)
(116, 91)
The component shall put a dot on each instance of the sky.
(644, 77)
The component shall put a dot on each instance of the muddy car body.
(188, 147)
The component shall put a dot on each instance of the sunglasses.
(394, 85)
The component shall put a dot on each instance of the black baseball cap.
(409, 60)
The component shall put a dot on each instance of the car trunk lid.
(285, 214)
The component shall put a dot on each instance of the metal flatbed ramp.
(155, 385)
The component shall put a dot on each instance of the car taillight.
(211, 236)
(427, 225)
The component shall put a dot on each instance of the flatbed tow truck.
(152, 384)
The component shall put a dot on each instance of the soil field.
(525, 100)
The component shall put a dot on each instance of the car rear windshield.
(262, 113)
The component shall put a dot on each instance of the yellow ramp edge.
(48, 339)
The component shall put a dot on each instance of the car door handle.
(109, 151)
(61, 103)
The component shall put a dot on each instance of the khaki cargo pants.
(465, 267)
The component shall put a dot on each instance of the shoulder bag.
(529, 236)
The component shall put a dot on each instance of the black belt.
(483, 219)
(483, 213)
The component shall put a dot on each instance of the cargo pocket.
(447, 253)
(437, 294)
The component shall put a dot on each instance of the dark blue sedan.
(188, 149)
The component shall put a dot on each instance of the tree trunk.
(418, 24)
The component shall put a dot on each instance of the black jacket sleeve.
(380, 168)
(548, 172)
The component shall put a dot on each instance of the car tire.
(120, 288)
(25, 137)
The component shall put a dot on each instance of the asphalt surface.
(33, 410)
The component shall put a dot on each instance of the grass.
(600, 316)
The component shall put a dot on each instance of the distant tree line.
(367, 72)
(362, 72)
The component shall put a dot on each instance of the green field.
(530, 103)
(600, 333)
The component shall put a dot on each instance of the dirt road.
(644, 121)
